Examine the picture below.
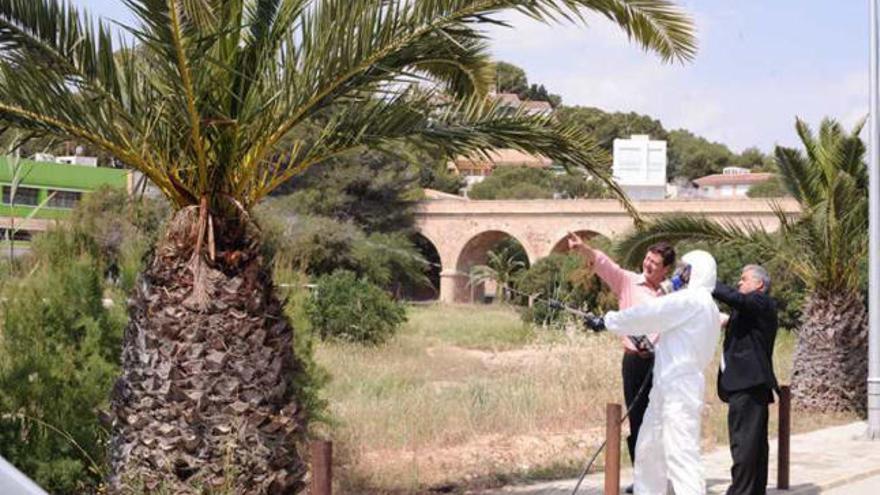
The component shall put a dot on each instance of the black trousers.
(635, 371)
(747, 425)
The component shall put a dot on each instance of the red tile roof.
(509, 99)
(539, 106)
(733, 179)
(501, 158)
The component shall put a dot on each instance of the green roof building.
(47, 191)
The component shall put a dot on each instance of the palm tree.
(501, 267)
(824, 248)
(219, 102)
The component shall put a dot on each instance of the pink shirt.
(629, 287)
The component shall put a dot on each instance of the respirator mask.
(679, 280)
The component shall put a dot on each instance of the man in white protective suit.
(668, 446)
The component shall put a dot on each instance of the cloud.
(732, 93)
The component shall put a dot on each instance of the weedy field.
(470, 396)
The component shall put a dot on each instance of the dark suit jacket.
(748, 341)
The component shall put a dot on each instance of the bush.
(320, 245)
(562, 277)
(349, 308)
(520, 182)
(59, 349)
(58, 359)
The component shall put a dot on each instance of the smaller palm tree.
(501, 267)
(825, 248)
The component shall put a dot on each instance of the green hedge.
(345, 307)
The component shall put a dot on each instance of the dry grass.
(469, 395)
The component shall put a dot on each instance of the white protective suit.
(668, 446)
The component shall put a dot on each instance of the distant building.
(640, 167)
(48, 190)
(475, 169)
(732, 182)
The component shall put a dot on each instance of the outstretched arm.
(603, 266)
(659, 315)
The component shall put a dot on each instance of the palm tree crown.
(219, 102)
(230, 98)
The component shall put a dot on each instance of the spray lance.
(641, 342)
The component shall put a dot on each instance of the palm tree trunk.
(831, 359)
(205, 400)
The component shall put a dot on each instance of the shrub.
(349, 308)
(320, 245)
(58, 359)
(59, 349)
(564, 278)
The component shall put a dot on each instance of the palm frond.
(219, 97)
(659, 26)
(631, 248)
(822, 246)
(798, 177)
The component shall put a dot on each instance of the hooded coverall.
(668, 447)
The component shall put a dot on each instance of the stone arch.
(429, 252)
(475, 252)
(561, 245)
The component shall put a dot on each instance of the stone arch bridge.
(463, 231)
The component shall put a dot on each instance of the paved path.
(867, 486)
(829, 459)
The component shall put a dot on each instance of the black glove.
(594, 323)
(642, 343)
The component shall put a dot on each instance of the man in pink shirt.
(631, 289)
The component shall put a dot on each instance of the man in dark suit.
(746, 380)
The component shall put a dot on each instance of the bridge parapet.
(539, 225)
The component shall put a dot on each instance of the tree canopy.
(536, 183)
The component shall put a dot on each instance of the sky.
(760, 64)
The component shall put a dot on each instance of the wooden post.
(784, 437)
(612, 449)
(322, 467)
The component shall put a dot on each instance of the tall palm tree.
(824, 247)
(219, 102)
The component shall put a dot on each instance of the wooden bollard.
(784, 450)
(612, 449)
(322, 467)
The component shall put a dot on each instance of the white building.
(640, 166)
(77, 159)
(732, 182)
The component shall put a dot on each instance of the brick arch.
(475, 252)
(429, 251)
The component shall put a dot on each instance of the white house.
(640, 166)
(732, 182)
